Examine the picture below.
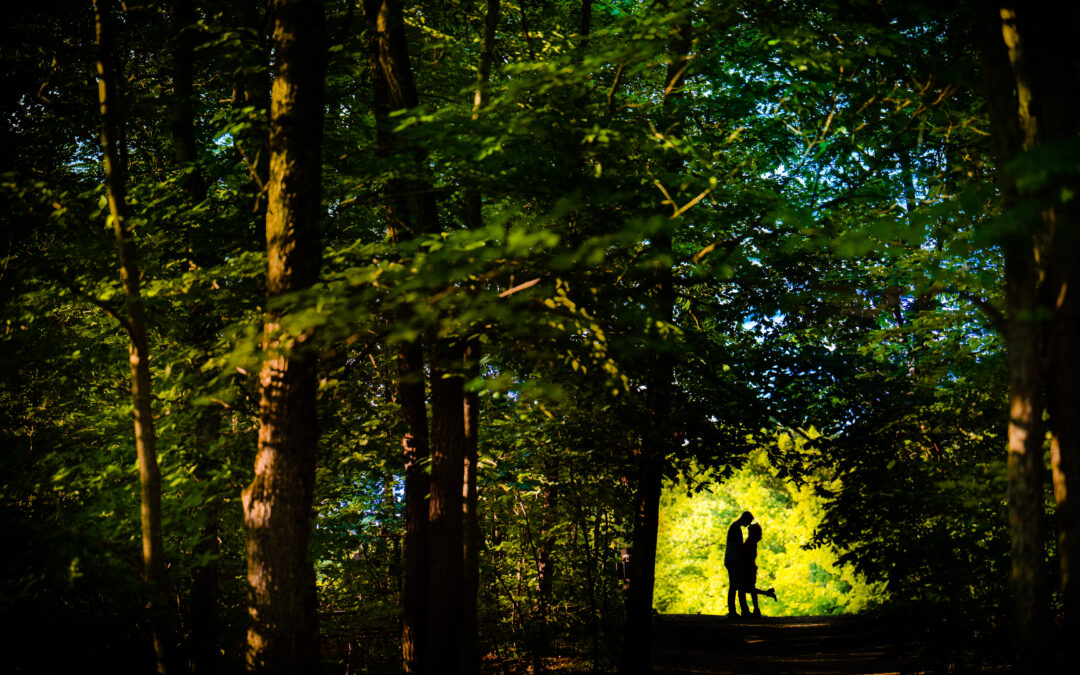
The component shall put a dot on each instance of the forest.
(450, 336)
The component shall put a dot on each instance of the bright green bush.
(690, 574)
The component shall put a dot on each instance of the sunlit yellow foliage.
(690, 573)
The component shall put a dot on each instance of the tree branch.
(55, 275)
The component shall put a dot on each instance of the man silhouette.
(732, 561)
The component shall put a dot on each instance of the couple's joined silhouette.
(740, 559)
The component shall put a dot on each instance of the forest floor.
(824, 645)
(695, 644)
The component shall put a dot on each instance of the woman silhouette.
(748, 558)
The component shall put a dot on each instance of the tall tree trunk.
(1009, 95)
(637, 649)
(153, 555)
(446, 596)
(474, 219)
(658, 439)
(596, 568)
(417, 485)
(410, 210)
(283, 632)
(1025, 464)
(1047, 71)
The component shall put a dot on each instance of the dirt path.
(822, 645)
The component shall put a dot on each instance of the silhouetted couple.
(740, 559)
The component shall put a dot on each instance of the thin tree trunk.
(585, 21)
(487, 55)
(410, 210)
(182, 122)
(153, 555)
(283, 633)
(595, 566)
(470, 625)
(907, 178)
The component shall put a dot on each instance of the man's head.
(746, 518)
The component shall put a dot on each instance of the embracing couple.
(740, 559)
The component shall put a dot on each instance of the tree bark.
(417, 486)
(412, 207)
(410, 210)
(283, 632)
(1010, 94)
(153, 556)
(446, 570)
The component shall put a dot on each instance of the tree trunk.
(658, 439)
(182, 122)
(446, 607)
(417, 486)
(1025, 464)
(637, 649)
(1046, 71)
(153, 555)
(470, 623)
(1009, 94)
(585, 21)
(410, 210)
(283, 633)
(153, 559)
